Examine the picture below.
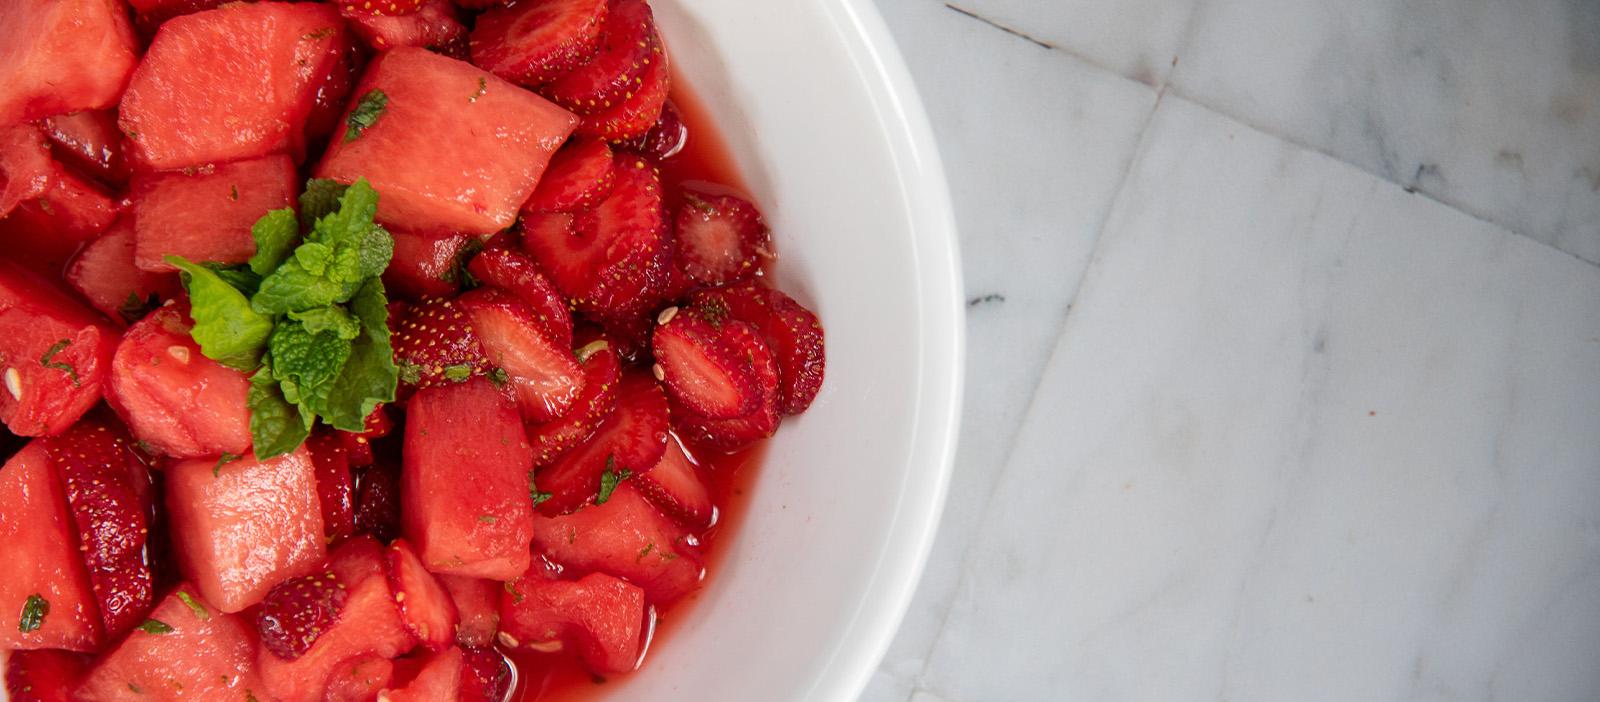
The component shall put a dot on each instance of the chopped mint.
(54, 349)
(33, 613)
(216, 471)
(369, 109)
(483, 87)
(487, 519)
(610, 479)
(458, 372)
(154, 626)
(225, 326)
(533, 491)
(499, 377)
(135, 308)
(275, 235)
(194, 605)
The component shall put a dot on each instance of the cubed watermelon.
(232, 83)
(177, 401)
(478, 602)
(600, 616)
(35, 188)
(90, 142)
(39, 546)
(449, 147)
(54, 354)
(63, 56)
(478, 527)
(104, 273)
(187, 650)
(369, 625)
(626, 537)
(24, 165)
(206, 216)
(243, 526)
(439, 680)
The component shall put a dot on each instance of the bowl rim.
(941, 366)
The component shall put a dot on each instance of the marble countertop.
(1284, 358)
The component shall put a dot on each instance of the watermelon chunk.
(90, 142)
(603, 618)
(369, 625)
(453, 150)
(104, 273)
(40, 549)
(37, 189)
(206, 216)
(439, 680)
(626, 537)
(177, 401)
(359, 679)
(426, 265)
(477, 527)
(478, 602)
(245, 526)
(203, 95)
(63, 56)
(54, 353)
(196, 652)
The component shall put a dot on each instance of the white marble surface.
(1251, 414)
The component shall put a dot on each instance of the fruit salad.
(367, 349)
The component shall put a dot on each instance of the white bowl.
(827, 129)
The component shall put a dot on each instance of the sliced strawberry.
(378, 502)
(43, 676)
(544, 375)
(739, 432)
(435, 345)
(636, 110)
(536, 41)
(666, 138)
(707, 370)
(630, 441)
(359, 679)
(601, 371)
(425, 605)
(358, 446)
(675, 486)
(436, 26)
(578, 177)
(44, 569)
(792, 331)
(335, 484)
(108, 489)
(517, 274)
(370, 8)
(628, 47)
(439, 680)
(601, 617)
(477, 603)
(486, 675)
(426, 265)
(721, 238)
(298, 611)
(626, 537)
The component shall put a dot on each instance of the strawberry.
(702, 367)
(43, 676)
(630, 441)
(601, 371)
(378, 502)
(435, 26)
(477, 604)
(108, 487)
(435, 345)
(666, 138)
(674, 485)
(535, 41)
(425, 605)
(721, 238)
(517, 274)
(544, 375)
(335, 485)
(373, 8)
(792, 332)
(486, 677)
(737, 433)
(636, 110)
(358, 447)
(298, 611)
(629, 46)
(578, 177)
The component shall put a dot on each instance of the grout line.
(1086, 59)
(1008, 30)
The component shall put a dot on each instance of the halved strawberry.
(536, 41)
(298, 611)
(436, 26)
(630, 441)
(44, 676)
(636, 110)
(358, 446)
(425, 605)
(792, 331)
(738, 432)
(439, 680)
(578, 177)
(359, 679)
(435, 345)
(674, 485)
(706, 369)
(378, 502)
(108, 489)
(517, 274)
(628, 47)
(370, 8)
(486, 675)
(601, 371)
(721, 238)
(477, 603)
(427, 265)
(666, 138)
(335, 483)
(600, 616)
(544, 375)
(626, 537)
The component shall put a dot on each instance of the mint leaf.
(33, 613)
(62, 366)
(306, 363)
(275, 235)
(370, 375)
(343, 249)
(200, 611)
(293, 288)
(276, 426)
(368, 110)
(332, 318)
(320, 199)
(155, 626)
(224, 459)
(225, 326)
(351, 228)
(240, 277)
(610, 479)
